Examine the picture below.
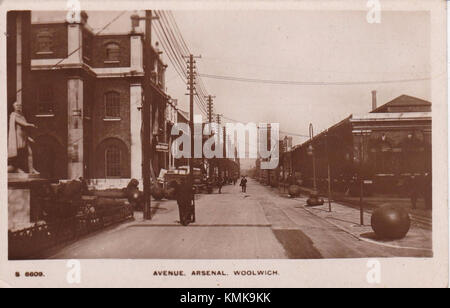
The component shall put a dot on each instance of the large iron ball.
(391, 222)
(314, 199)
(157, 192)
(294, 191)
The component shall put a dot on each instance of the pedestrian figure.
(244, 184)
(135, 197)
(220, 184)
(184, 199)
(235, 179)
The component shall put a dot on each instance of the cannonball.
(391, 222)
(157, 193)
(313, 201)
(294, 190)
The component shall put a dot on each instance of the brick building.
(84, 92)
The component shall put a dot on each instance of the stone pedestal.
(24, 208)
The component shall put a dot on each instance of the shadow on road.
(297, 244)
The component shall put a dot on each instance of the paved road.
(257, 225)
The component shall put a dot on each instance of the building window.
(413, 150)
(112, 105)
(112, 52)
(46, 101)
(381, 155)
(44, 42)
(113, 162)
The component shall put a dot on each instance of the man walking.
(244, 184)
(220, 184)
(185, 198)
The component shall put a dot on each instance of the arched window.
(113, 162)
(112, 105)
(113, 52)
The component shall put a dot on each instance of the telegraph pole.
(147, 118)
(219, 133)
(218, 120)
(147, 112)
(210, 120)
(210, 108)
(225, 149)
(191, 87)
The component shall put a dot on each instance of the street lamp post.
(314, 199)
(311, 148)
(361, 179)
(329, 170)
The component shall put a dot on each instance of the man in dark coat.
(185, 197)
(244, 184)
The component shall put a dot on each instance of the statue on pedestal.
(20, 155)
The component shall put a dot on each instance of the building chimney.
(374, 100)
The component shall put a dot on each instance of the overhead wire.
(173, 47)
(180, 45)
(309, 83)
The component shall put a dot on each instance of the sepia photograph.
(197, 132)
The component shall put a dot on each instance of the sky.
(306, 46)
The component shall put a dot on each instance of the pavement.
(259, 224)
(421, 215)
